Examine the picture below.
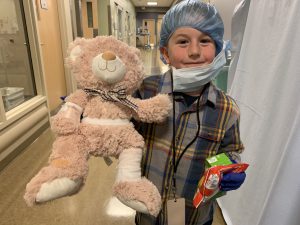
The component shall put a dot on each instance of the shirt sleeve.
(231, 143)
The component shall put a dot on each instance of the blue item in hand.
(232, 181)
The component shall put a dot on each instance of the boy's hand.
(232, 181)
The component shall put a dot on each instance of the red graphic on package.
(209, 184)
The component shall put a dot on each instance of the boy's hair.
(196, 14)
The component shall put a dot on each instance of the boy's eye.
(182, 42)
(206, 40)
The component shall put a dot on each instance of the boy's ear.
(164, 52)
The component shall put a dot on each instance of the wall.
(104, 18)
(225, 9)
(125, 6)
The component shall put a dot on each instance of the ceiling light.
(151, 3)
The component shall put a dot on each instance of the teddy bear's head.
(105, 63)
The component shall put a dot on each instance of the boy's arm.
(231, 143)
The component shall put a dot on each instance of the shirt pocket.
(209, 140)
(211, 133)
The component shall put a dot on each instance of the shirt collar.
(166, 88)
(166, 83)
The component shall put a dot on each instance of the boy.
(204, 122)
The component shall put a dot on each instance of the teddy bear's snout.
(108, 67)
(108, 56)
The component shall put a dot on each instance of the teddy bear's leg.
(65, 173)
(132, 190)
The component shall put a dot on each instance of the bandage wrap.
(72, 111)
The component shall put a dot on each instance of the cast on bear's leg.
(132, 190)
(66, 172)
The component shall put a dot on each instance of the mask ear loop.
(176, 163)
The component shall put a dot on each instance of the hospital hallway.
(93, 205)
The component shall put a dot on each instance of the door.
(52, 55)
(149, 27)
(89, 14)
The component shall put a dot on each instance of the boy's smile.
(188, 47)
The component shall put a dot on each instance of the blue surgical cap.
(196, 14)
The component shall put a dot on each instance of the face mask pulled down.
(192, 79)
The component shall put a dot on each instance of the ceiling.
(160, 3)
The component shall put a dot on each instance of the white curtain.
(238, 24)
(266, 86)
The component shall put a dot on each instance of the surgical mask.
(193, 78)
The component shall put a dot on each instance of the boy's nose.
(194, 50)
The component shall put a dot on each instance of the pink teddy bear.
(95, 120)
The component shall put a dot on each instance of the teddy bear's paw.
(136, 205)
(165, 101)
(57, 188)
(163, 107)
(140, 195)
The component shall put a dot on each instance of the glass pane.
(89, 7)
(16, 74)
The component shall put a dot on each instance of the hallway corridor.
(93, 205)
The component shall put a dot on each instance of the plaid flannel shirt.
(219, 132)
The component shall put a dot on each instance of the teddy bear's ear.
(75, 48)
(75, 52)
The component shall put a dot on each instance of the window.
(17, 83)
(89, 8)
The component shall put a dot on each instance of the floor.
(93, 205)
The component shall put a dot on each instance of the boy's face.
(188, 47)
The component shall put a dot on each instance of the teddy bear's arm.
(67, 120)
(79, 97)
(152, 110)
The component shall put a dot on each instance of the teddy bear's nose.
(108, 56)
